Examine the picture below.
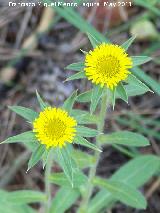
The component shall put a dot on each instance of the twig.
(23, 27)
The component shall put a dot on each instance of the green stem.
(47, 182)
(93, 169)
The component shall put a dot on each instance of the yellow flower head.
(107, 65)
(54, 127)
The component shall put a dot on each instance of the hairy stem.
(92, 172)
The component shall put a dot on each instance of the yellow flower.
(107, 65)
(54, 127)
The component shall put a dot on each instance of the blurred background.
(37, 43)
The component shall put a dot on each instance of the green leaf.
(61, 180)
(76, 76)
(8, 208)
(22, 138)
(89, 119)
(86, 132)
(136, 82)
(64, 199)
(83, 159)
(138, 60)
(95, 98)
(68, 104)
(132, 90)
(138, 170)
(84, 97)
(147, 79)
(82, 141)
(123, 192)
(67, 163)
(31, 145)
(120, 90)
(83, 117)
(78, 114)
(125, 138)
(14, 208)
(135, 173)
(93, 40)
(45, 157)
(36, 156)
(25, 196)
(3, 195)
(26, 113)
(42, 104)
(149, 5)
(128, 43)
(79, 66)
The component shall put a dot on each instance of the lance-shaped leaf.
(76, 76)
(83, 159)
(83, 117)
(147, 79)
(95, 98)
(132, 90)
(121, 92)
(42, 104)
(82, 141)
(31, 145)
(26, 113)
(64, 199)
(68, 104)
(89, 119)
(128, 43)
(138, 60)
(84, 97)
(61, 180)
(93, 40)
(86, 132)
(78, 114)
(136, 172)
(10, 208)
(25, 196)
(22, 138)
(79, 66)
(136, 82)
(36, 156)
(123, 192)
(113, 97)
(125, 138)
(67, 163)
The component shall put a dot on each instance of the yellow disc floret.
(107, 65)
(54, 127)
